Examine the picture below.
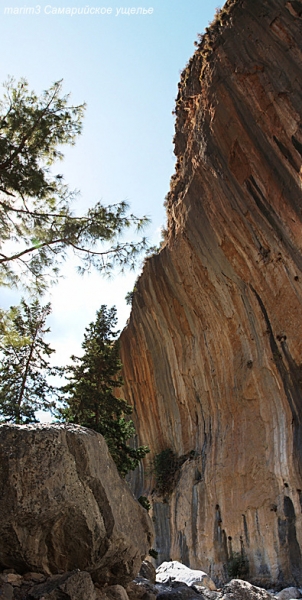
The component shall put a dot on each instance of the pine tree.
(91, 399)
(37, 224)
(24, 388)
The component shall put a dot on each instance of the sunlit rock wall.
(213, 351)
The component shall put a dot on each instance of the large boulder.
(63, 505)
(173, 570)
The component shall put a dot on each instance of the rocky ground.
(171, 581)
(70, 529)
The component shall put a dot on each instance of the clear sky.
(126, 67)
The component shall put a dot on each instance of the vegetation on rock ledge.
(166, 465)
(238, 566)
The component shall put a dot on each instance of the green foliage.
(143, 500)
(91, 401)
(166, 465)
(24, 363)
(37, 223)
(238, 566)
(8, 332)
(130, 295)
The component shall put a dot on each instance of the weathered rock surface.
(168, 572)
(6, 592)
(78, 585)
(205, 593)
(63, 505)
(288, 593)
(242, 590)
(212, 353)
(114, 592)
(69, 586)
(148, 571)
(179, 591)
(141, 589)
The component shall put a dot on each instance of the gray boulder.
(63, 505)
(238, 589)
(288, 593)
(206, 593)
(178, 591)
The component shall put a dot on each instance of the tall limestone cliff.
(212, 353)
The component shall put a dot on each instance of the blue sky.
(126, 68)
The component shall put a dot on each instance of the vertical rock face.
(213, 351)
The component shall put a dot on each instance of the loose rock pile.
(78, 585)
(234, 590)
(75, 585)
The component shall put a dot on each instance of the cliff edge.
(212, 354)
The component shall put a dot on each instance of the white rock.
(176, 571)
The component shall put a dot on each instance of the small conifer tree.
(90, 393)
(25, 365)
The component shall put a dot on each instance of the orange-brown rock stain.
(212, 352)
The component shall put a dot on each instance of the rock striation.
(64, 507)
(212, 353)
